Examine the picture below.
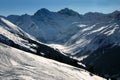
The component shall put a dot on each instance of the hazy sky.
(8, 7)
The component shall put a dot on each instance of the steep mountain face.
(45, 22)
(92, 37)
(25, 20)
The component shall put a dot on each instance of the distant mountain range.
(92, 38)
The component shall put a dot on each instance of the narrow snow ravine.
(20, 65)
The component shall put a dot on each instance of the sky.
(18, 7)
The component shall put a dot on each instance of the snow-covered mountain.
(15, 63)
(96, 35)
(47, 26)
(97, 45)
(88, 37)
(78, 34)
(102, 32)
(12, 35)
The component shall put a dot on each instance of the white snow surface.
(19, 65)
(13, 28)
(15, 34)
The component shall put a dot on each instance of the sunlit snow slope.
(19, 65)
(12, 35)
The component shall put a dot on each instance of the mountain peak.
(25, 15)
(93, 13)
(115, 13)
(42, 11)
(68, 11)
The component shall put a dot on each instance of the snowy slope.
(20, 65)
(11, 34)
(94, 36)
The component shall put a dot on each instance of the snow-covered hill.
(19, 65)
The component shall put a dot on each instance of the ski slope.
(19, 65)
